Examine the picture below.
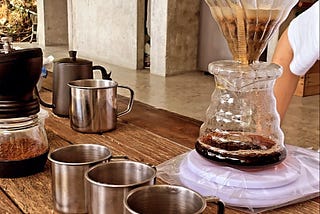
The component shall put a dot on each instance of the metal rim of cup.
(51, 155)
(163, 186)
(92, 169)
(92, 84)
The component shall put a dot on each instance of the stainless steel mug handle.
(118, 158)
(129, 107)
(218, 202)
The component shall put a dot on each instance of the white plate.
(273, 176)
(304, 186)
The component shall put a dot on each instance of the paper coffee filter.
(248, 25)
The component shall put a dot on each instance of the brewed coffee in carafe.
(242, 126)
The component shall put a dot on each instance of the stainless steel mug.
(68, 167)
(109, 183)
(93, 105)
(167, 199)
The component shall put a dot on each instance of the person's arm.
(286, 84)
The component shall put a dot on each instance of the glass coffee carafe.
(242, 126)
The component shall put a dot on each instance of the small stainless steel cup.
(167, 199)
(109, 183)
(93, 105)
(68, 167)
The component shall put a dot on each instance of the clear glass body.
(242, 126)
(23, 138)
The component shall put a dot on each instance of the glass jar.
(242, 126)
(23, 145)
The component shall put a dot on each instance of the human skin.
(286, 84)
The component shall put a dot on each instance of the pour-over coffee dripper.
(248, 25)
(242, 126)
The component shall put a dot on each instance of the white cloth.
(303, 34)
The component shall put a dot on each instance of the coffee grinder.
(242, 126)
(23, 140)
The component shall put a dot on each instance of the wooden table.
(146, 134)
